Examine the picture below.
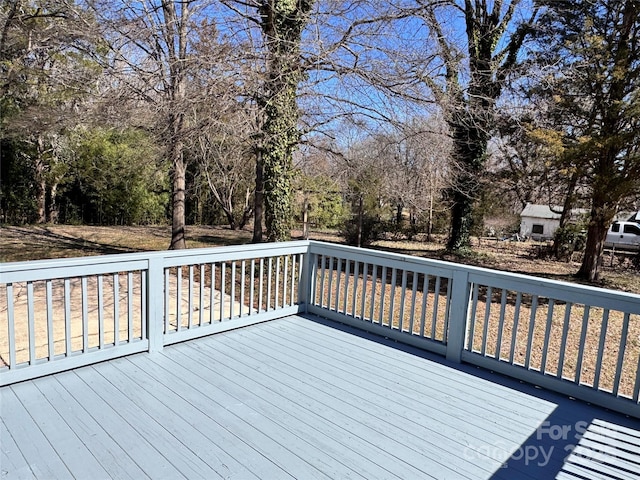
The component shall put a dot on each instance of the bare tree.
(151, 43)
(467, 86)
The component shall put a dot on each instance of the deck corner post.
(305, 293)
(458, 315)
(155, 299)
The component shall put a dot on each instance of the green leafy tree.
(594, 54)
(47, 66)
(119, 178)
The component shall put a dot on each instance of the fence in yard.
(578, 340)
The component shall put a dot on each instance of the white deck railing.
(578, 340)
(61, 314)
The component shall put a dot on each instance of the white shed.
(539, 221)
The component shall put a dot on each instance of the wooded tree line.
(123, 111)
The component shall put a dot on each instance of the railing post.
(155, 307)
(458, 315)
(305, 292)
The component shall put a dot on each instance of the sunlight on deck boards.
(303, 398)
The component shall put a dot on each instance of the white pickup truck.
(623, 235)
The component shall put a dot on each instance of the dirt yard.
(59, 241)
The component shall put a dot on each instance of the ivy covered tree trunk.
(467, 93)
(469, 146)
(258, 200)
(282, 23)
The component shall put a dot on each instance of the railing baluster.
(232, 300)
(330, 283)
(516, 321)
(269, 276)
(49, 302)
(243, 278)
(338, 282)
(212, 296)
(67, 317)
(346, 285)
(179, 299)
(374, 280)
(487, 317)
(294, 265)
(583, 341)
(447, 309)
(143, 305)
(563, 342)
(100, 288)
(403, 292)
(300, 284)
(474, 310)
(275, 303)
(392, 291)
(201, 294)
(223, 290)
(31, 322)
(116, 309)
(530, 333)
(285, 275)
(190, 299)
(260, 285)
(252, 285)
(167, 298)
(503, 312)
(323, 261)
(383, 287)
(436, 304)
(601, 344)
(365, 274)
(621, 351)
(85, 315)
(414, 291)
(130, 306)
(356, 264)
(11, 326)
(425, 294)
(547, 334)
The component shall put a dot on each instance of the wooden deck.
(303, 398)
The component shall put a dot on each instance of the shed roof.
(544, 211)
(541, 211)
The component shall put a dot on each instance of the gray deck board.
(302, 398)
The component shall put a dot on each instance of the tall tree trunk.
(604, 207)
(565, 216)
(282, 22)
(258, 200)
(54, 210)
(470, 146)
(175, 34)
(41, 184)
(178, 203)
